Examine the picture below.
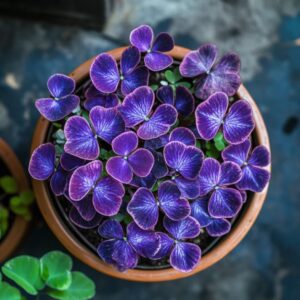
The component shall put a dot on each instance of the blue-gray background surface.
(266, 34)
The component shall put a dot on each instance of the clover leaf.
(8, 292)
(56, 270)
(81, 288)
(9, 184)
(219, 141)
(173, 78)
(24, 271)
(4, 214)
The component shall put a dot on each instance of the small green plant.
(18, 202)
(50, 275)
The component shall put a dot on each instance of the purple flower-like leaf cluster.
(147, 165)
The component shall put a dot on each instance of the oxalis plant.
(13, 202)
(153, 153)
(50, 275)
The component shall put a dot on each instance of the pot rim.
(19, 226)
(220, 250)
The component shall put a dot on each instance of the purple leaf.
(237, 153)
(111, 229)
(107, 123)
(54, 110)
(165, 94)
(159, 124)
(105, 251)
(143, 209)
(198, 62)
(137, 106)
(166, 244)
(70, 162)
(185, 257)
(83, 179)
(81, 141)
(189, 188)
(108, 194)
(141, 162)
(238, 123)
(42, 162)
(187, 228)
(129, 60)
(125, 143)
(142, 37)
(60, 85)
(260, 157)
(159, 169)
(185, 160)
(200, 212)
(244, 195)
(218, 227)
(184, 101)
(183, 135)
(119, 168)
(145, 243)
(104, 100)
(163, 43)
(225, 203)
(58, 181)
(137, 78)
(157, 61)
(104, 73)
(85, 207)
(147, 182)
(157, 143)
(76, 219)
(209, 115)
(230, 173)
(253, 179)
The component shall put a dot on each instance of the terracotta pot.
(18, 229)
(223, 247)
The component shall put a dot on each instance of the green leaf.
(9, 184)
(177, 74)
(82, 288)
(184, 83)
(219, 141)
(218, 137)
(4, 214)
(119, 217)
(56, 270)
(27, 197)
(24, 271)
(59, 135)
(8, 292)
(59, 149)
(57, 125)
(154, 87)
(212, 153)
(170, 76)
(127, 219)
(198, 144)
(85, 114)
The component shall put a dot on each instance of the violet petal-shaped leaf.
(83, 180)
(225, 203)
(107, 197)
(244, 195)
(218, 227)
(80, 139)
(209, 115)
(238, 123)
(157, 143)
(147, 182)
(189, 188)
(58, 181)
(160, 122)
(160, 168)
(104, 100)
(230, 173)
(185, 256)
(111, 229)
(107, 123)
(166, 95)
(125, 143)
(104, 73)
(119, 168)
(199, 61)
(229, 63)
(187, 228)
(199, 210)
(260, 157)
(77, 220)
(42, 162)
(141, 162)
(183, 135)
(105, 251)
(70, 162)
(166, 244)
(137, 78)
(253, 179)
(163, 42)
(184, 101)
(143, 209)
(142, 37)
(54, 110)
(85, 207)
(60, 85)
(145, 243)
(137, 105)
(130, 59)
(157, 61)
(237, 153)
(124, 255)
(209, 175)
(184, 159)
